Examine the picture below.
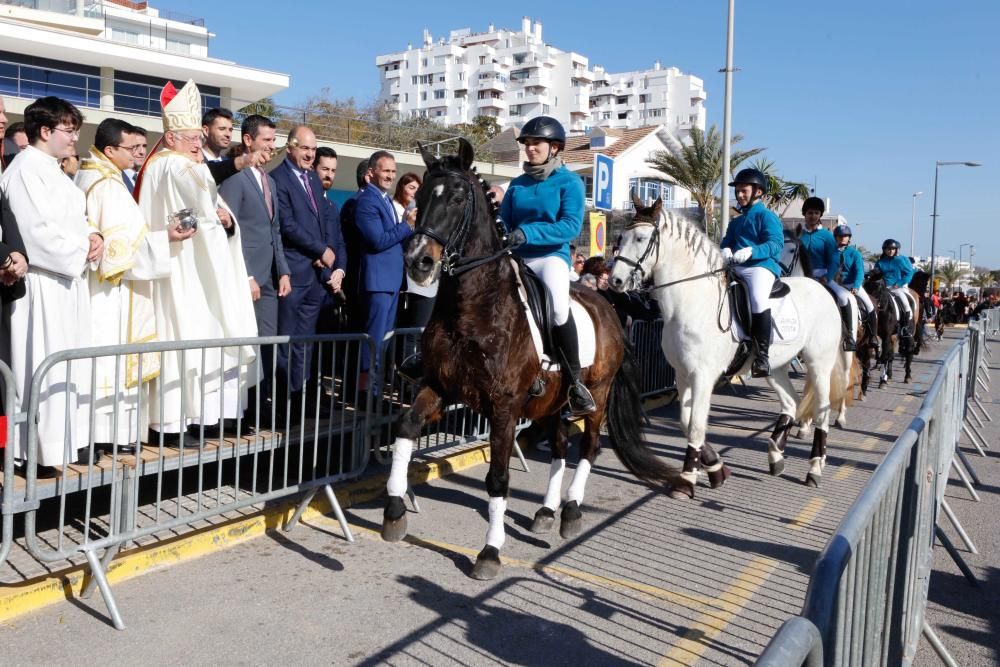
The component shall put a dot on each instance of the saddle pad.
(584, 330)
(784, 322)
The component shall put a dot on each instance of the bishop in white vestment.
(205, 295)
(54, 314)
(121, 301)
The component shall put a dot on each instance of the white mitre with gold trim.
(181, 108)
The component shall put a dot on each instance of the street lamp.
(913, 223)
(960, 246)
(937, 168)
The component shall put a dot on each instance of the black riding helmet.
(751, 177)
(841, 230)
(890, 244)
(543, 127)
(814, 204)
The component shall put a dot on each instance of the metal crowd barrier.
(868, 593)
(294, 445)
(657, 376)
(7, 499)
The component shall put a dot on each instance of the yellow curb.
(34, 594)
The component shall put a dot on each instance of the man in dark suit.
(313, 243)
(356, 312)
(251, 196)
(382, 235)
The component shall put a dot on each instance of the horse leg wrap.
(495, 533)
(402, 449)
(817, 459)
(779, 436)
(715, 469)
(556, 470)
(579, 483)
(692, 457)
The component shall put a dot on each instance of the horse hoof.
(861, 398)
(813, 480)
(683, 491)
(545, 518)
(487, 564)
(778, 467)
(906, 380)
(571, 520)
(717, 478)
(394, 520)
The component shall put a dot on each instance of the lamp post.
(937, 168)
(913, 223)
(727, 130)
(960, 246)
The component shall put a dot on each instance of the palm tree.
(950, 273)
(697, 167)
(982, 280)
(780, 193)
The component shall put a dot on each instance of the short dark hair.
(379, 155)
(14, 128)
(109, 133)
(252, 124)
(135, 129)
(324, 151)
(361, 173)
(217, 112)
(49, 112)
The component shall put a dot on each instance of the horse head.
(449, 202)
(637, 247)
(792, 261)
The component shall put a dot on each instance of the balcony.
(491, 103)
(492, 83)
(393, 73)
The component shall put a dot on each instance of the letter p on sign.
(603, 166)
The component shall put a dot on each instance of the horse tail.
(623, 419)
(840, 387)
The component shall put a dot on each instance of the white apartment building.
(112, 58)
(514, 75)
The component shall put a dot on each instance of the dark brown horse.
(478, 350)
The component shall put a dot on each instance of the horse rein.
(638, 273)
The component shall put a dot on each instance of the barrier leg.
(968, 468)
(968, 429)
(520, 456)
(938, 647)
(955, 556)
(102, 582)
(961, 531)
(303, 504)
(975, 416)
(338, 512)
(413, 498)
(965, 480)
(109, 555)
(982, 409)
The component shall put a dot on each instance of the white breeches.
(904, 297)
(840, 293)
(865, 299)
(759, 282)
(554, 272)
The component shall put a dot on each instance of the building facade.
(513, 76)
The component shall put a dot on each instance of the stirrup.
(760, 368)
(581, 402)
(412, 368)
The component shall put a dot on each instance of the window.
(439, 94)
(439, 112)
(623, 115)
(141, 94)
(482, 60)
(406, 97)
(29, 76)
(423, 62)
(126, 36)
(546, 108)
(605, 115)
(423, 96)
(440, 78)
(622, 99)
(644, 98)
(654, 113)
(650, 189)
(177, 46)
(520, 58)
(514, 110)
(413, 80)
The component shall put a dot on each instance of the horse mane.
(689, 232)
(793, 234)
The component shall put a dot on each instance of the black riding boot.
(580, 400)
(760, 331)
(871, 326)
(847, 333)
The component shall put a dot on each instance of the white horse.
(796, 264)
(689, 283)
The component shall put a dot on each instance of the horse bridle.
(787, 270)
(638, 273)
(451, 253)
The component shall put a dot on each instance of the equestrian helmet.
(842, 230)
(890, 244)
(751, 177)
(543, 127)
(814, 204)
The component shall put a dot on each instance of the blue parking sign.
(603, 166)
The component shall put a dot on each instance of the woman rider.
(897, 272)
(543, 211)
(754, 242)
(851, 275)
(821, 248)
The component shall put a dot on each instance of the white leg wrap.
(773, 453)
(579, 482)
(495, 533)
(715, 467)
(401, 451)
(816, 466)
(692, 475)
(553, 493)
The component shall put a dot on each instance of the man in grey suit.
(250, 195)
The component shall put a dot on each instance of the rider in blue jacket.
(543, 209)
(897, 272)
(753, 243)
(851, 275)
(821, 249)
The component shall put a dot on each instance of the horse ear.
(636, 201)
(658, 206)
(466, 153)
(798, 230)
(428, 157)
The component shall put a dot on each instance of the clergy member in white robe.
(54, 314)
(205, 295)
(121, 301)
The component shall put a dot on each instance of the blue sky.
(859, 97)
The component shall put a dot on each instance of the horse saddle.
(739, 300)
(538, 309)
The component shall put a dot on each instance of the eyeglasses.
(130, 149)
(73, 133)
